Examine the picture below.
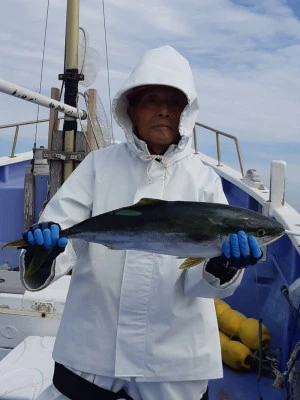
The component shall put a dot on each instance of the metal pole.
(44, 101)
(218, 148)
(25, 123)
(71, 79)
(239, 156)
(195, 140)
(218, 133)
(15, 142)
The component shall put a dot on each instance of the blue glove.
(45, 234)
(242, 250)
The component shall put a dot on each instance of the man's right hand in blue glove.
(45, 234)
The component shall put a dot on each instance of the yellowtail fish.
(190, 230)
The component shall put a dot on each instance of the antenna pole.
(71, 79)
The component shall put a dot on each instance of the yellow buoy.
(248, 332)
(229, 322)
(221, 306)
(235, 354)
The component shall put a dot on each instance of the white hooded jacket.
(131, 313)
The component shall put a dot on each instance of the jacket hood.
(160, 66)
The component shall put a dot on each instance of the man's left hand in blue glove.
(241, 250)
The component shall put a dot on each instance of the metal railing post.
(195, 140)
(239, 156)
(17, 126)
(218, 148)
(218, 133)
(12, 155)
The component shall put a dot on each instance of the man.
(134, 324)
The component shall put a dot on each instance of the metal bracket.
(43, 307)
(252, 179)
(71, 75)
(63, 155)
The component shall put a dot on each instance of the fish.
(189, 230)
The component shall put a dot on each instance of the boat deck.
(259, 295)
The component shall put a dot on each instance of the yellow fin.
(110, 247)
(145, 201)
(190, 262)
(38, 259)
(32, 268)
(17, 243)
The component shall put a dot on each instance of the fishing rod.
(28, 95)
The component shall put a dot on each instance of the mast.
(60, 153)
(71, 79)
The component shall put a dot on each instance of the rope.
(107, 67)
(41, 75)
(293, 373)
(152, 158)
(288, 373)
(293, 357)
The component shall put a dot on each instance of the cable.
(41, 79)
(107, 68)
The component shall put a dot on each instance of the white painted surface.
(27, 370)
(32, 313)
(18, 158)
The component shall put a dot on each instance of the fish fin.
(40, 255)
(191, 262)
(110, 247)
(20, 244)
(128, 213)
(146, 201)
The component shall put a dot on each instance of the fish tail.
(20, 244)
(36, 255)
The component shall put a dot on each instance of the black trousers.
(77, 388)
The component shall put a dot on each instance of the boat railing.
(219, 133)
(17, 127)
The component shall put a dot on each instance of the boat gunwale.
(7, 160)
(288, 216)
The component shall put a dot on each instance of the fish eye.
(260, 232)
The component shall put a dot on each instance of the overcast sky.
(245, 55)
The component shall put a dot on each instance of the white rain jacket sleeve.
(73, 204)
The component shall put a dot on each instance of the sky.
(245, 56)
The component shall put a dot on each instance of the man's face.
(156, 116)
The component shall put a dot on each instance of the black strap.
(77, 388)
(205, 396)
